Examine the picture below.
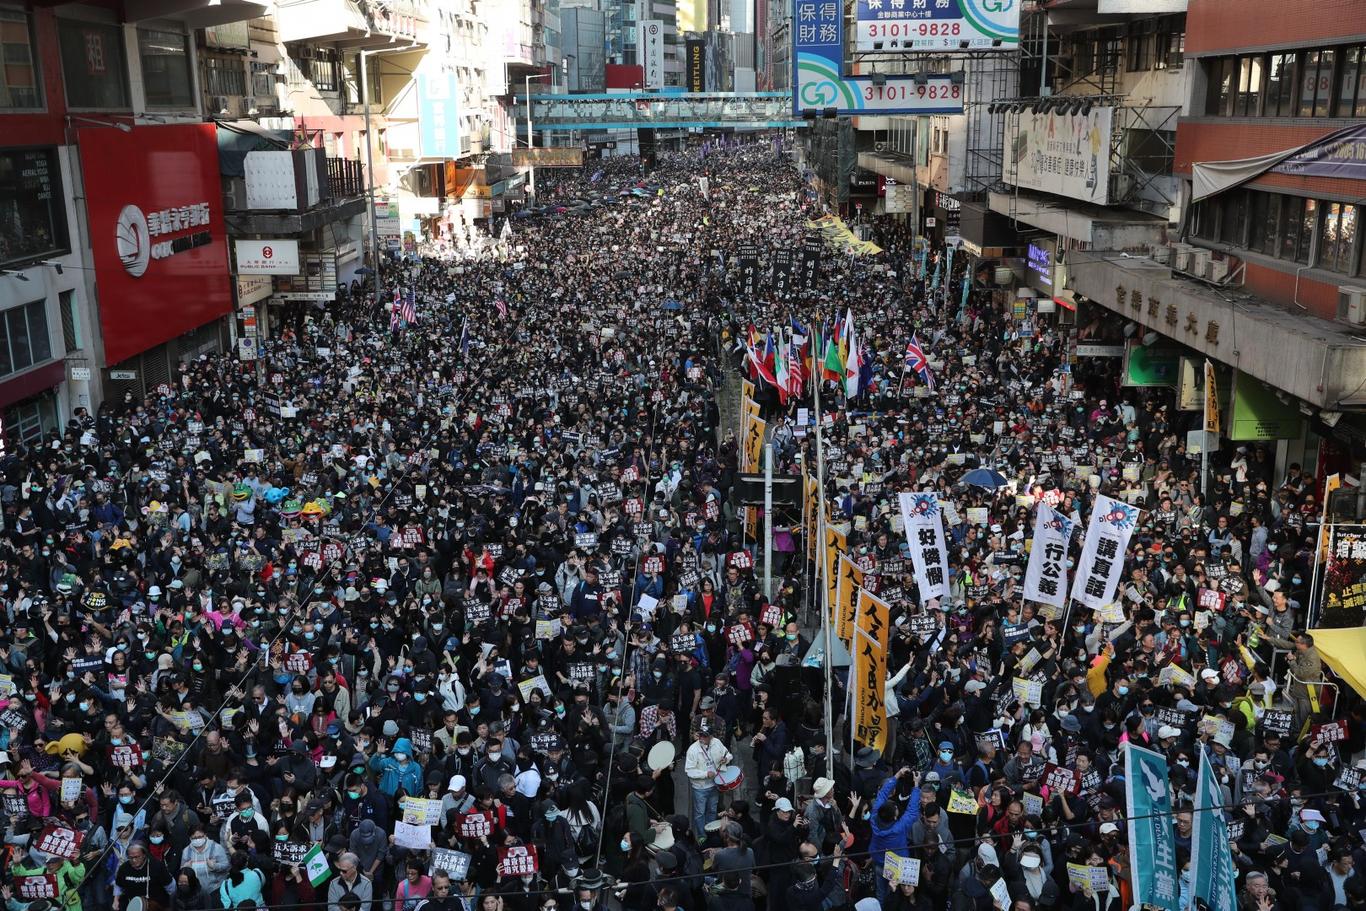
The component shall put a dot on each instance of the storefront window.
(23, 338)
(165, 68)
(32, 223)
(27, 421)
(1339, 235)
(18, 74)
(93, 66)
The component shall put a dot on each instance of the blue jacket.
(897, 835)
(394, 774)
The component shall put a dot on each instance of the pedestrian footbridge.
(660, 111)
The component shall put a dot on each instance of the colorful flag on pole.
(502, 307)
(394, 314)
(918, 363)
(410, 306)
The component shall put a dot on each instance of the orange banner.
(850, 584)
(870, 671)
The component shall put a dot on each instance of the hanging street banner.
(847, 599)
(1152, 838)
(943, 25)
(819, 82)
(922, 519)
(1212, 871)
(1102, 554)
(1046, 574)
(870, 671)
(835, 545)
(1344, 583)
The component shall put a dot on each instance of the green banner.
(1259, 415)
(1152, 839)
(1151, 365)
(1212, 871)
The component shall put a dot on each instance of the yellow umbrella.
(1344, 650)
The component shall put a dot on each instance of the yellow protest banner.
(835, 546)
(1333, 483)
(847, 601)
(752, 448)
(1211, 400)
(870, 671)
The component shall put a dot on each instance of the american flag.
(916, 360)
(394, 314)
(410, 307)
(502, 307)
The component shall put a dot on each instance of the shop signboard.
(438, 115)
(1064, 154)
(1151, 365)
(942, 25)
(278, 256)
(159, 246)
(1258, 414)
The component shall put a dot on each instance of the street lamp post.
(531, 137)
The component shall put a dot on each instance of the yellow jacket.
(1095, 677)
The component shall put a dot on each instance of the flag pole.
(824, 583)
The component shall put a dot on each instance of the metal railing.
(345, 178)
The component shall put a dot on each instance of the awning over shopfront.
(1098, 227)
(1344, 650)
(1311, 358)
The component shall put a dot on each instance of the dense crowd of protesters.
(443, 615)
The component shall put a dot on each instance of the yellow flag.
(1211, 399)
(835, 545)
(847, 595)
(870, 671)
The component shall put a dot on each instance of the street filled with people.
(452, 601)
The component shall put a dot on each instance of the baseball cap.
(457, 783)
(1167, 731)
(1108, 828)
(782, 804)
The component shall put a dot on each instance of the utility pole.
(370, 172)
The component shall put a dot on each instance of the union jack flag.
(916, 361)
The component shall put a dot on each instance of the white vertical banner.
(650, 51)
(1046, 575)
(1102, 554)
(923, 520)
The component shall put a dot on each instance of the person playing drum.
(706, 758)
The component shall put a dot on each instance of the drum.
(660, 756)
(729, 778)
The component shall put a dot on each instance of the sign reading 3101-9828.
(937, 25)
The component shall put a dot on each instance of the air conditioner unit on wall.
(1199, 262)
(1219, 268)
(1181, 257)
(1161, 253)
(1352, 304)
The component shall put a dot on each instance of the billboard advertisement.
(818, 80)
(941, 25)
(1258, 415)
(1064, 154)
(697, 64)
(650, 51)
(267, 257)
(155, 208)
(438, 118)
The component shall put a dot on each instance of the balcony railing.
(345, 178)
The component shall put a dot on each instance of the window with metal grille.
(224, 76)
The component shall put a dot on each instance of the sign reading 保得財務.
(160, 252)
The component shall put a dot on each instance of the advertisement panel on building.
(937, 25)
(697, 64)
(1064, 154)
(388, 223)
(1151, 365)
(253, 288)
(1258, 415)
(278, 256)
(650, 51)
(548, 157)
(898, 197)
(155, 208)
(1039, 260)
(819, 83)
(438, 115)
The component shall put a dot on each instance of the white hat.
(327, 762)
(783, 805)
(1210, 673)
(868, 904)
(974, 686)
(1272, 585)
(1308, 814)
(1108, 828)
(1167, 731)
(824, 786)
(457, 783)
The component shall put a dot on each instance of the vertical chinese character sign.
(1152, 840)
(1046, 576)
(1102, 554)
(1212, 871)
(923, 520)
(1344, 585)
(650, 51)
(870, 671)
